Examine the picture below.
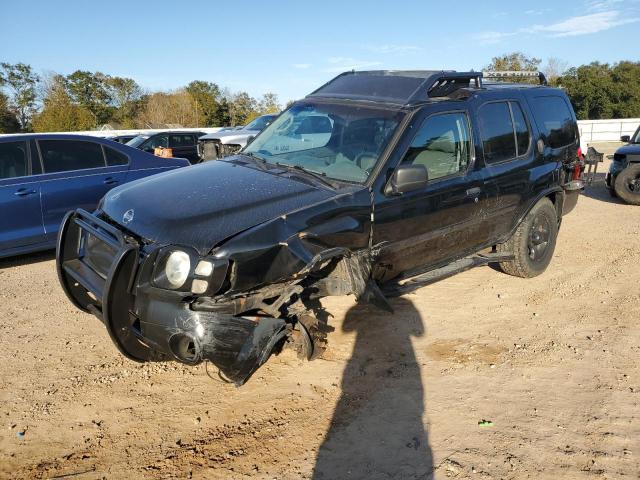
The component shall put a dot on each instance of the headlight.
(184, 270)
(177, 268)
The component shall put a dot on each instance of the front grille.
(97, 254)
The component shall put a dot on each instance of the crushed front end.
(171, 303)
(114, 276)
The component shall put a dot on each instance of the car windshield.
(636, 136)
(137, 141)
(260, 123)
(342, 142)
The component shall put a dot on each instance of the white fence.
(114, 133)
(592, 131)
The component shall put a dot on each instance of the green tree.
(269, 104)
(126, 97)
(91, 91)
(8, 121)
(626, 95)
(242, 107)
(517, 61)
(22, 83)
(591, 90)
(205, 96)
(60, 114)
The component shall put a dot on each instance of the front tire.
(533, 242)
(627, 184)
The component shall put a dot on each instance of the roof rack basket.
(516, 74)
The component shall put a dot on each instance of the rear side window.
(505, 132)
(114, 157)
(176, 141)
(66, 155)
(157, 141)
(442, 145)
(496, 126)
(13, 160)
(554, 120)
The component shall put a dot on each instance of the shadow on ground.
(599, 190)
(27, 259)
(378, 430)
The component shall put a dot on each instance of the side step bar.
(408, 285)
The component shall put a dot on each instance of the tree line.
(597, 90)
(86, 100)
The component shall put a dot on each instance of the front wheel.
(533, 242)
(627, 184)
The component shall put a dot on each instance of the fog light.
(204, 268)
(199, 286)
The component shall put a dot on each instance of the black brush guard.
(145, 323)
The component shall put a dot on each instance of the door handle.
(474, 192)
(110, 181)
(23, 192)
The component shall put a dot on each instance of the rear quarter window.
(554, 119)
(66, 155)
(114, 157)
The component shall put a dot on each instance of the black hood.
(202, 205)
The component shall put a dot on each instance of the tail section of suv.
(373, 185)
(182, 143)
(230, 141)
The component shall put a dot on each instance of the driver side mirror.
(407, 178)
(625, 138)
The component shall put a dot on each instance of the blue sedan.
(44, 176)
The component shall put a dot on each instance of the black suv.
(373, 185)
(623, 178)
(184, 144)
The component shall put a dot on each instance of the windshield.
(260, 123)
(636, 136)
(343, 142)
(137, 141)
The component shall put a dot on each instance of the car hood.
(631, 149)
(202, 205)
(226, 137)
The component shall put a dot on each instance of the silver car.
(229, 141)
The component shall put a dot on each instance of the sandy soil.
(551, 363)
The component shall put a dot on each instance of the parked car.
(44, 176)
(224, 143)
(122, 138)
(623, 178)
(183, 144)
(373, 185)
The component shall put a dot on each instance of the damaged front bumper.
(103, 272)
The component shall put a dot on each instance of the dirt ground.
(478, 376)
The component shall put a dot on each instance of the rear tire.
(627, 184)
(533, 242)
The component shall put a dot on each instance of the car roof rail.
(516, 74)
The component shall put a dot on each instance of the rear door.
(20, 214)
(76, 175)
(509, 158)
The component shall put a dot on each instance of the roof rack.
(518, 74)
(445, 83)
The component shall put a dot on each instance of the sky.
(293, 47)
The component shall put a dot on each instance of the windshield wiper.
(259, 161)
(321, 177)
